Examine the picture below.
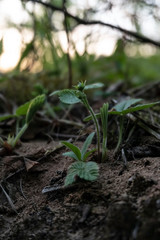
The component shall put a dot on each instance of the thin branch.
(68, 40)
(133, 34)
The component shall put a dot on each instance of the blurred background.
(52, 44)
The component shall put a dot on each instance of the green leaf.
(70, 178)
(5, 117)
(86, 144)
(88, 171)
(126, 104)
(74, 149)
(91, 171)
(68, 96)
(22, 110)
(94, 85)
(134, 109)
(124, 112)
(81, 86)
(35, 104)
(55, 93)
(140, 107)
(104, 117)
(89, 118)
(71, 154)
(88, 153)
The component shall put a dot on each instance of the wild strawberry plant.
(72, 96)
(81, 168)
(28, 109)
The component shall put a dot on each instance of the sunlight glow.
(11, 49)
(100, 45)
(101, 41)
(12, 39)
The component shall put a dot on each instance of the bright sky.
(11, 37)
(103, 42)
(13, 11)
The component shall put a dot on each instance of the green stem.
(85, 102)
(104, 120)
(104, 149)
(120, 133)
(18, 136)
(50, 110)
(17, 125)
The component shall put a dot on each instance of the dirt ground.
(122, 204)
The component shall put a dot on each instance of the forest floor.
(122, 204)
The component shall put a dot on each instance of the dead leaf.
(29, 163)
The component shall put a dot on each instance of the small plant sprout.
(125, 107)
(28, 109)
(122, 109)
(104, 120)
(85, 170)
(72, 96)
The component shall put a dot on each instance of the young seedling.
(122, 109)
(28, 109)
(72, 96)
(85, 170)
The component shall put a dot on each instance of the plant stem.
(120, 133)
(17, 125)
(18, 136)
(50, 110)
(104, 120)
(85, 102)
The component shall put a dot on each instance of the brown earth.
(124, 203)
